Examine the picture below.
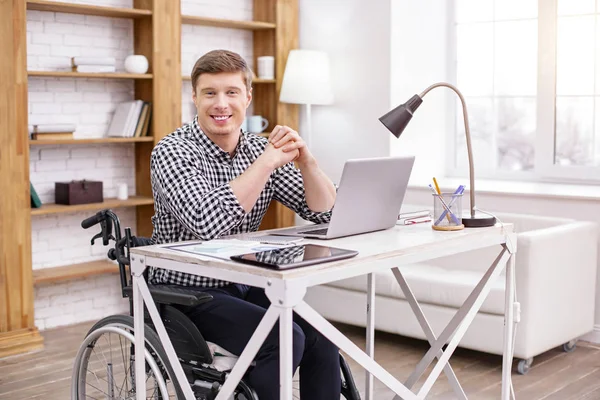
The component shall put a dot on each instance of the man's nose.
(221, 101)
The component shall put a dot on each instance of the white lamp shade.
(306, 78)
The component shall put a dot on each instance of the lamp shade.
(306, 79)
(397, 119)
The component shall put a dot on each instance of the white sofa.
(555, 284)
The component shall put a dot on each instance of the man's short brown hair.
(217, 61)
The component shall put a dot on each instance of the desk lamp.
(306, 80)
(397, 119)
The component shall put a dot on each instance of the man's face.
(221, 100)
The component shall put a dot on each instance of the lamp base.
(479, 221)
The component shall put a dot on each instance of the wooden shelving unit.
(74, 271)
(227, 23)
(43, 142)
(158, 37)
(95, 75)
(108, 203)
(72, 8)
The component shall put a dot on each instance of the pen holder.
(447, 212)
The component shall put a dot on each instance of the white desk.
(377, 251)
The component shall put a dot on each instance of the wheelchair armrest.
(173, 294)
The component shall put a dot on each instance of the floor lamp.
(306, 81)
(397, 119)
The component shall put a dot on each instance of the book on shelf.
(143, 123)
(35, 199)
(94, 68)
(52, 128)
(104, 61)
(52, 136)
(130, 119)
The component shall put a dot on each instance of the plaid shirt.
(193, 198)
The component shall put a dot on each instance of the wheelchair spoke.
(125, 363)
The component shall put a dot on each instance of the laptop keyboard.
(321, 231)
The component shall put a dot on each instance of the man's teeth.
(221, 118)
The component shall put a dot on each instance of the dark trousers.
(230, 319)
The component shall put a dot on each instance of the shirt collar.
(212, 148)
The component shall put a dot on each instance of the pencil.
(439, 192)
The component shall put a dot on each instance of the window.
(530, 73)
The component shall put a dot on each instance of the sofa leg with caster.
(569, 346)
(523, 365)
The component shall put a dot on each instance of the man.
(210, 179)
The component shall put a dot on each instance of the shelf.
(226, 23)
(71, 8)
(52, 208)
(255, 80)
(42, 142)
(69, 74)
(74, 271)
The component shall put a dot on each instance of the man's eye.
(209, 93)
(232, 92)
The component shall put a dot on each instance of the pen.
(458, 191)
(410, 222)
(437, 188)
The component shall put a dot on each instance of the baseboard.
(20, 341)
(593, 336)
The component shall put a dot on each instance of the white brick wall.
(79, 300)
(52, 39)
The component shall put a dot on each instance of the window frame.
(545, 170)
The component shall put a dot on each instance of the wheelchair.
(104, 366)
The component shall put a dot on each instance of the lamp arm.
(468, 137)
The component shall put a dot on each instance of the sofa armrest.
(556, 283)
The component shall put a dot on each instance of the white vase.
(136, 64)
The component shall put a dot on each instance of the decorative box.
(78, 192)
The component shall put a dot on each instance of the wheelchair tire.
(117, 375)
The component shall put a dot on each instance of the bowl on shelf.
(136, 64)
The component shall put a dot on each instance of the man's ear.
(194, 97)
(249, 98)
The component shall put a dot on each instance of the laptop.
(369, 198)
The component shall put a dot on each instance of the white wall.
(419, 58)
(356, 36)
(52, 39)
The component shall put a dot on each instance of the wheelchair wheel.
(104, 365)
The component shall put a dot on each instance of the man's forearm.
(319, 190)
(248, 186)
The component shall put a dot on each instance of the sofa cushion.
(432, 285)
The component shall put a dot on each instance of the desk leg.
(429, 334)
(138, 333)
(250, 351)
(285, 353)
(161, 331)
(370, 333)
(352, 350)
(284, 296)
(507, 357)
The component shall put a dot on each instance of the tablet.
(295, 256)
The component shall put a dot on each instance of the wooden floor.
(554, 375)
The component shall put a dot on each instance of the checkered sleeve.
(289, 191)
(206, 211)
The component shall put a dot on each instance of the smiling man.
(210, 179)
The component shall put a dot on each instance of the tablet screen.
(300, 255)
